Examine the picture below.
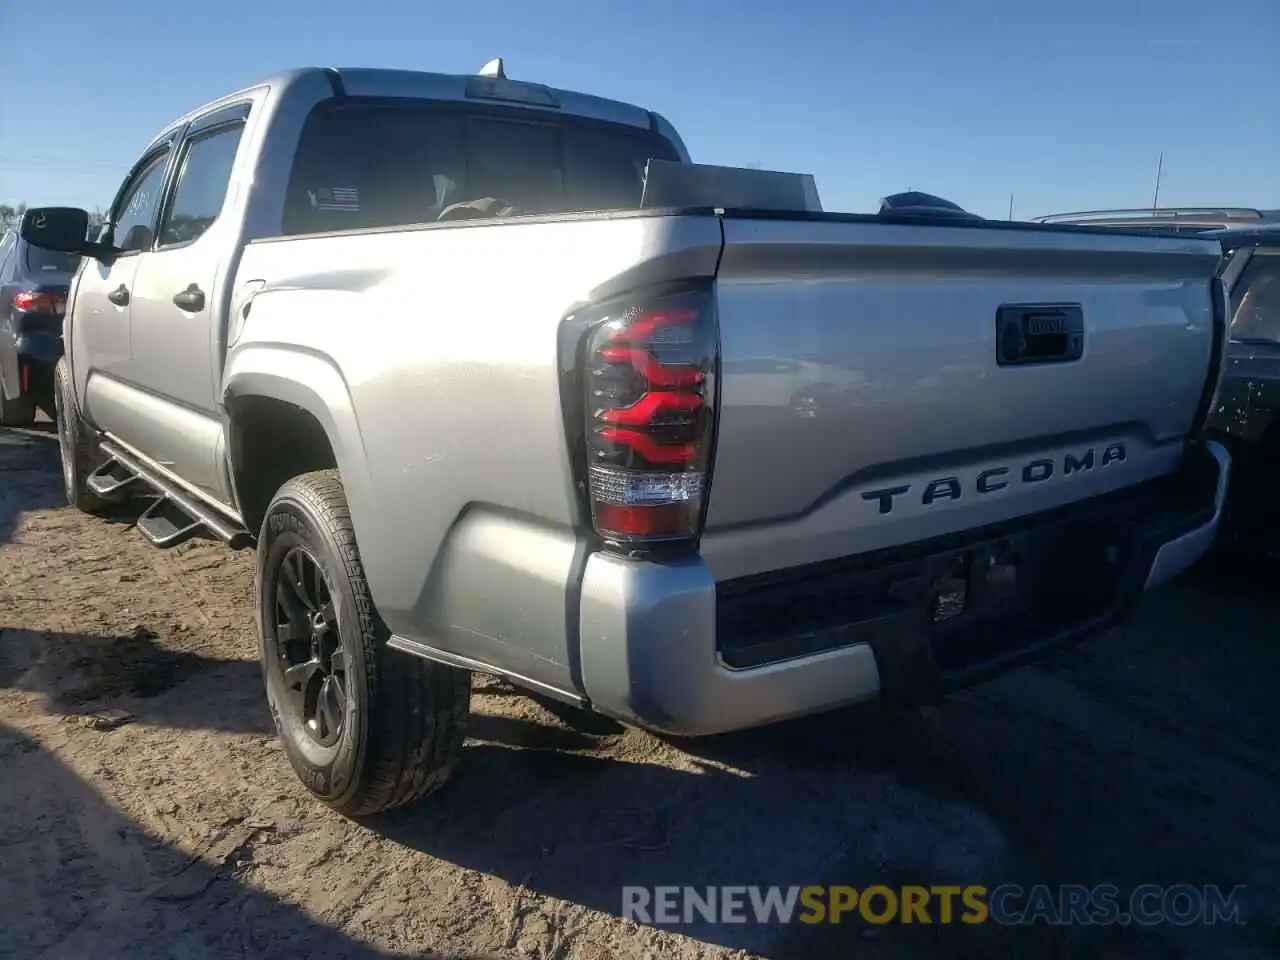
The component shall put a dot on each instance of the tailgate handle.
(1029, 333)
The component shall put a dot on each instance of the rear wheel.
(365, 727)
(77, 448)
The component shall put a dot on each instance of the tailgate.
(886, 383)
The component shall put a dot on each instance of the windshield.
(41, 261)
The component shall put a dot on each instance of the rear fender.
(312, 382)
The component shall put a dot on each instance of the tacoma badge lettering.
(993, 479)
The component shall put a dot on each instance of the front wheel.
(76, 446)
(365, 727)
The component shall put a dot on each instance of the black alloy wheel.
(366, 727)
(310, 655)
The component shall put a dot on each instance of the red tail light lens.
(35, 302)
(649, 404)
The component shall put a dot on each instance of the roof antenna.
(493, 69)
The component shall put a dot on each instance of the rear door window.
(374, 164)
(202, 185)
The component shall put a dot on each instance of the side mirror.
(62, 229)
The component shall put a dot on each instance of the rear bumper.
(665, 647)
(37, 355)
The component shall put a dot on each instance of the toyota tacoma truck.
(418, 341)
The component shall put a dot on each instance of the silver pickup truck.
(416, 339)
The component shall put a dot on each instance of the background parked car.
(33, 299)
(1167, 219)
(1248, 419)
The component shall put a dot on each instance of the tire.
(18, 412)
(77, 448)
(395, 725)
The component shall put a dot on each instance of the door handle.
(190, 299)
(119, 296)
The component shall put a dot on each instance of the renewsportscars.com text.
(1007, 905)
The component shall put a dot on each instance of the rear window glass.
(363, 165)
(42, 261)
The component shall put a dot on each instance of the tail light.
(33, 301)
(648, 373)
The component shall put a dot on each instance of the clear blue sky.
(1066, 105)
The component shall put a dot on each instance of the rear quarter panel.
(430, 355)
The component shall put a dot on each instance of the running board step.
(166, 524)
(176, 515)
(110, 479)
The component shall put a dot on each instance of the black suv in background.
(1248, 418)
(33, 298)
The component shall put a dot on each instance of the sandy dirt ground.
(1148, 755)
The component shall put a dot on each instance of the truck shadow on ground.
(1143, 756)
(80, 674)
(135, 896)
(30, 474)
(31, 471)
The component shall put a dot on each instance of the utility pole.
(1155, 200)
(1011, 206)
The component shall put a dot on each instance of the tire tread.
(84, 449)
(418, 708)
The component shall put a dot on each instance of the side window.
(202, 185)
(134, 217)
(1256, 300)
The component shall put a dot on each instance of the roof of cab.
(378, 82)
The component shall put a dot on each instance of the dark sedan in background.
(33, 299)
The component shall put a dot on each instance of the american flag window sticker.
(341, 199)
